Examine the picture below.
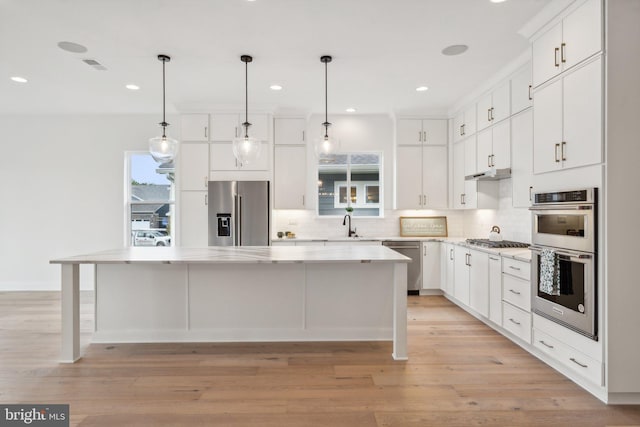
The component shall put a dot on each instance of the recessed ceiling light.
(351, 110)
(132, 87)
(455, 49)
(19, 79)
(274, 87)
(422, 88)
(72, 47)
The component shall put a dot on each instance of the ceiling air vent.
(95, 64)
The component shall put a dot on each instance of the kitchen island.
(234, 294)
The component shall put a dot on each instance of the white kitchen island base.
(242, 295)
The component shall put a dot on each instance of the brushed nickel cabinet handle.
(562, 49)
(556, 153)
(206, 199)
(530, 98)
(302, 136)
(464, 129)
(489, 160)
(494, 259)
(564, 144)
(514, 268)
(530, 193)
(206, 132)
(488, 114)
(493, 160)
(419, 136)
(514, 321)
(555, 57)
(545, 344)
(514, 292)
(451, 254)
(578, 363)
(492, 113)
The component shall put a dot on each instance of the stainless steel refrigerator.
(239, 213)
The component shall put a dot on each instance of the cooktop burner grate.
(486, 243)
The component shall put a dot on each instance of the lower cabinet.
(516, 321)
(431, 265)
(461, 274)
(495, 289)
(194, 219)
(479, 282)
(447, 268)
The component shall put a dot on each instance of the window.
(350, 180)
(150, 202)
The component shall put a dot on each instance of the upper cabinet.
(421, 131)
(493, 149)
(226, 127)
(494, 106)
(464, 124)
(577, 37)
(421, 164)
(194, 127)
(567, 120)
(194, 166)
(289, 131)
(289, 163)
(521, 86)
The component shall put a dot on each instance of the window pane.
(373, 194)
(332, 187)
(151, 224)
(365, 176)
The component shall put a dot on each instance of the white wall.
(62, 190)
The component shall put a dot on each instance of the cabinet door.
(470, 120)
(259, 128)
(547, 128)
(194, 219)
(484, 149)
(495, 289)
(194, 127)
(434, 132)
(290, 177)
(450, 257)
(430, 265)
(289, 131)
(409, 131)
(582, 33)
(409, 177)
(458, 175)
(479, 282)
(222, 158)
(582, 142)
(461, 275)
(261, 163)
(458, 128)
(521, 90)
(546, 55)
(443, 267)
(224, 127)
(194, 165)
(434, 173)
(470, 166)
(484, 112)
(500, 102)
(471, 195)
(501, 145)
(522, 159)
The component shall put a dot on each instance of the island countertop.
(239, 255)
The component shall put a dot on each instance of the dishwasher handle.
(402, 247)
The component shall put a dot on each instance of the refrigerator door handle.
(239, 220)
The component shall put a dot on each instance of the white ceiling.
(382, 49)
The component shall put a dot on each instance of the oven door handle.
(576, 255)
(561, 208)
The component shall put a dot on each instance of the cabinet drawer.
(517, 291)
(516, 268)
(573, 359)
(516, 321)
(584, 345)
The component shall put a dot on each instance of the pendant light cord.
(326, 103)
(246, 100)
(164, 120)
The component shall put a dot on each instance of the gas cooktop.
(486, 243)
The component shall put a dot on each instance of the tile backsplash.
(515, 223)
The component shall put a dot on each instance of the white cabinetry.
(223, 159)
(516, 298)
(494, 106)
(227, 126)
(194, 219)
(494, 147)
(495, 289)
(479, 282)
(521, 87)
(448, 270)
(522, 158)
(421, 164)
(289, 164)
(577, 37)
(194, 127)
(461, 274)
(470, 194)
(431, 265)
(194, 166)
(567, 120)
(464, 124)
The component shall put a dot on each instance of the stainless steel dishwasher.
(410, 249)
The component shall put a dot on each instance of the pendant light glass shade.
(162, 148)
(326, 145)
(246, 149)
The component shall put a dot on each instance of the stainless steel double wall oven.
(564, 258)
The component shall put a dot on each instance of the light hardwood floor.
(460, 373)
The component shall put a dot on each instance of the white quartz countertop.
(240, 255)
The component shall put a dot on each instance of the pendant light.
(245, 148)
(326, 146)
(162, 148)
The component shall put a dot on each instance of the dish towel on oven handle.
(549, 272)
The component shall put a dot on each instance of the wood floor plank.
(460, 372)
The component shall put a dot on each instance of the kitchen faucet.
(352, 233)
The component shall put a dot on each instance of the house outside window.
(150, 200)
(351, 180)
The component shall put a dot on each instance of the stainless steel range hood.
(492, 174)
